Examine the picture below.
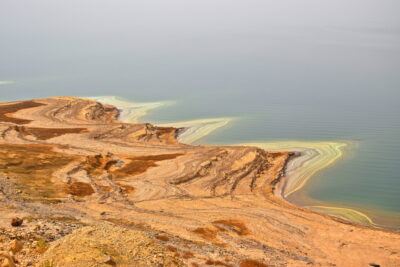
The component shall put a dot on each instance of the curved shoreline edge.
(343, 213)
(311, 157)
(193, 130)
(130, 112)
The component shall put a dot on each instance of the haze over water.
(288, 70)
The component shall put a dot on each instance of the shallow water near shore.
(267, 72)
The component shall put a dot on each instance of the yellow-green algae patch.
(343, 213)
(6, 82)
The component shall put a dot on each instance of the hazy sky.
(82, 47)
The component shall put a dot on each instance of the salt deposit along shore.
(311, 158)
(71, 170)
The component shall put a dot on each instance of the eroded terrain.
(71, 159)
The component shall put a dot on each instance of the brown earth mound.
(107, 245)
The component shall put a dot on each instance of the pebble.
(15, 222)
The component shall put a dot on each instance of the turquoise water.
(287, 70)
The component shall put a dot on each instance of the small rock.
(108, 260)
(15, 222)
(103, 213)
(374, 265)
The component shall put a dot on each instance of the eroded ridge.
(204, 205)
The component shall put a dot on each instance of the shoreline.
(132, 112)
(139, 175)
(310, 158)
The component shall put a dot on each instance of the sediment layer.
(312, 157)
(309, 159)
(209, 205)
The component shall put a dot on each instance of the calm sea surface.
(293, 70)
